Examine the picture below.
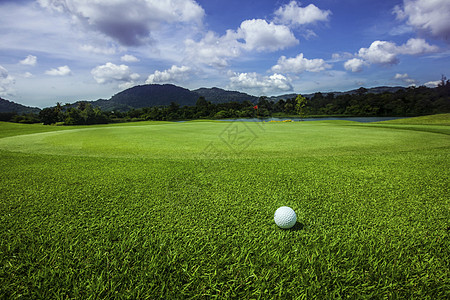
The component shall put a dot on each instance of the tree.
(201, 102)
(48, 116)
(300, 106)
(73, 117)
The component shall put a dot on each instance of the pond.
(357, 119)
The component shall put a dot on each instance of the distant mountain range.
(375, 90)
(161, 95)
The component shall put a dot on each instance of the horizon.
(67, 51)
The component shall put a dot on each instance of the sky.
(69, 50)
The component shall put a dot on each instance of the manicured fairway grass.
(185, 210)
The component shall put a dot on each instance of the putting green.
(225, 139)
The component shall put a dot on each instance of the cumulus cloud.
(214, 50)
(354, 65)
(110, 72)
(386, 53)
(60, 71)
(130, 22)
(129, 58)
(293, 14)
(432, 84)
(416, 47)
(174, 74)
(260, 84)
(380, 52)
(261, 36)
(256, 34)
(431, 17)
(6, 82)
(30, 60)
(299, 64)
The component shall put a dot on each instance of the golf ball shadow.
(297, 226)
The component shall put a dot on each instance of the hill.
(7, 106)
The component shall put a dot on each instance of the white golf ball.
(285, 217)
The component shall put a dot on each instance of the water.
(356, 119)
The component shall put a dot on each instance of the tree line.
(412, 101)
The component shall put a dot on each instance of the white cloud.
(386, 53)
(174, 74)
(28, 75)
(432, 84)
(262, 36)
(214, 50)
(60, 71)
(416, 47)
(98, 50)
(427, 16)
(110, 72)
(30, 60)
(299, 64)
(401, 76)
(254, 34)
(293, 14)
(380, 52)
(354, 65)
(335, 57)
(130, 22)
(405, 78)
(6, 83)
(129, 58)
(260, 84)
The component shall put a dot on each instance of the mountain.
(154, 95)
(216, 95)
(7, 106)
(149, 95)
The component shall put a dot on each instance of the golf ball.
(285, 217)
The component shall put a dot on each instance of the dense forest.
(413, 101)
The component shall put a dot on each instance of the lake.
(357, 119)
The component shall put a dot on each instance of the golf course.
(185, 210)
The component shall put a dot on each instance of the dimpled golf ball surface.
(285, 217)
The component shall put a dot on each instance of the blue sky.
(68, 50)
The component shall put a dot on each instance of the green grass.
(440, 119)
(185, 211)
(435, 123)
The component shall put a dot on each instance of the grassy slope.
(186, 210)
(440, 119)
(435, 123)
